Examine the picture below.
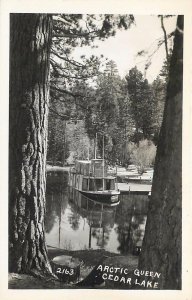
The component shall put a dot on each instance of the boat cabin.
(91, 175)
(93, 167)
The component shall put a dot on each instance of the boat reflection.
(74, 222)
(100, 216)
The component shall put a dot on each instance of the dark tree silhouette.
(162, 242)
(30, 38)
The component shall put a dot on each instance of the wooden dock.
(134, 188)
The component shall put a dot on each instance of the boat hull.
(102, 197)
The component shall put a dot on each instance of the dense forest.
(88, 97)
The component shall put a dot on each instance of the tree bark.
(30, 39)
(161, 251)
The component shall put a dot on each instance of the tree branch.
(65, 34)
(70, 94)
(67, 92)
(53, 63)
(57, 18)
(165, 37)
(76, 64)
(76, 103)
(63, 117)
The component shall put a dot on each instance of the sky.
(123, 47)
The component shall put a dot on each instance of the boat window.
(91, 185)
(85, 184)
(99, 184)
(109, 184)
(99, 164)
(112, 184)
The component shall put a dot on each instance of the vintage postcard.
(97, 116)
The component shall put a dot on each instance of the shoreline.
(89, 259)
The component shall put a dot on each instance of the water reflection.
(131, 219)
(100, 217)
(75, 222)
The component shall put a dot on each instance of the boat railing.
(91, 170)
(90, 173)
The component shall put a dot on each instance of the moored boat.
(90, 178)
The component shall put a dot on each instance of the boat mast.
(103, 166)
(96, 146)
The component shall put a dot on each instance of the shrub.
(144, 155)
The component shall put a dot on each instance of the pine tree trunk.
(30, 38)
(161, 250)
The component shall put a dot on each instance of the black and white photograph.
(95, 142)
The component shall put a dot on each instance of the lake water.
(74, 222)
